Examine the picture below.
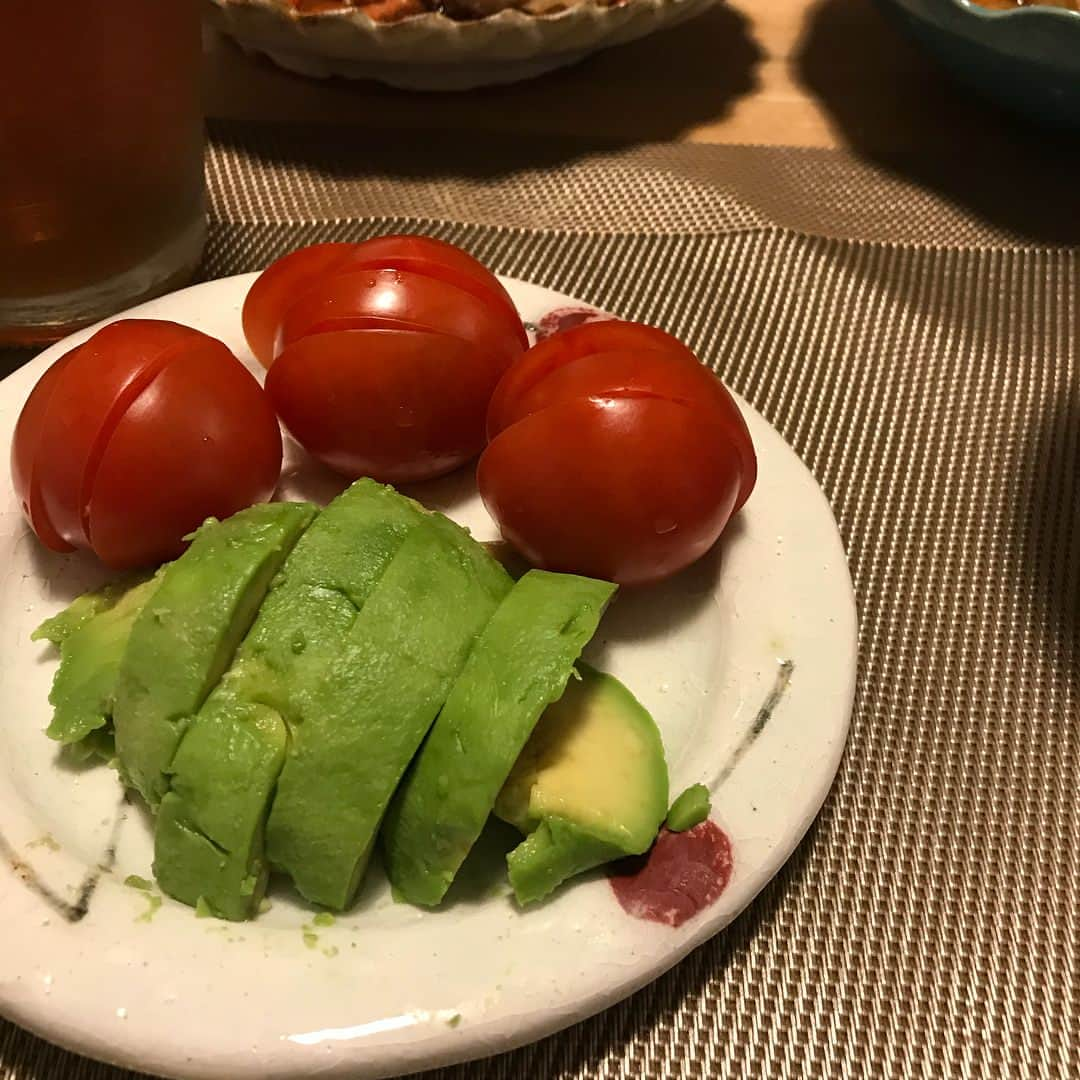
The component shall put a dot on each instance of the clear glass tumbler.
(101, 159)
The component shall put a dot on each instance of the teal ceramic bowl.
(1027, 59)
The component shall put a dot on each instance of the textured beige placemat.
(920, 351)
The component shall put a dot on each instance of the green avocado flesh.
(360, 724)
(590, 786)
(82, 609)
(209, 842)
(689, 809)
(92, 634)
(186, 634)
(302, 684)
(519, 665)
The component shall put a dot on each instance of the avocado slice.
(92, 634)
(519, 665)
(209, 839)
(591, 785)
(82, 609)
(361, 721)
(185, 636)
(689, 809)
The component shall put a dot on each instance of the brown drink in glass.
(101, 168)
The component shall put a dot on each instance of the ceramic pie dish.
(439, 44)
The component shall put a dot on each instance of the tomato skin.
(610, 335)
(588, 503)
(148, 429)
(395, 327)
(614, 453)
(445, 262)
(401, 298)
(397, 405)
(25, 444)
(211, 467)
(105, 375)
(281, 283)
(277, 285)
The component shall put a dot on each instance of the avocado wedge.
(590, 786)
(362, 719)
(519, 665)
(92, 634)
(185, 636)
(209, 839)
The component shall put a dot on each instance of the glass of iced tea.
(101, 166)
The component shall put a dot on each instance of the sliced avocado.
(591, 785)
(185, 636)
(92, 639)
(361, 720)
(689, 809)
(209, 840)
(208, 843)
(518, 666)
(82, 609)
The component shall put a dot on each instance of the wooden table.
(796, 72)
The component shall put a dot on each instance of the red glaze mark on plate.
(566, 318)
(683, 874)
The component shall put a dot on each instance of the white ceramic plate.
(102, 969)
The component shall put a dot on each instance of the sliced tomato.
(105, 375)
(396, 405)
(25, 448)
(567, 347)
(134, 438)
(627, 489)
(199, 441)
(277, 286)
(401, 298)
(444, 262)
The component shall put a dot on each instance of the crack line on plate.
(72, 911)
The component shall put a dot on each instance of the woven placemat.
(920, 352)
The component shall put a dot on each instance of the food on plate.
(211, 847)
(92, 636)
(518, 666)
(383, 355)
(614, 453)
(398, 405)
(689, 809)
(132, 439)
(363, 726)
(370, 625)
(391, 11)
(185, 636)
(590, 786)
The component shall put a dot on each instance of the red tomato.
(436, 259)
(401, 298)
(276, 285)
(406, 404)
(131, 440)
(388, 352)
(614, 453)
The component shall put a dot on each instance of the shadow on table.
(896, 108)
(651, 90)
